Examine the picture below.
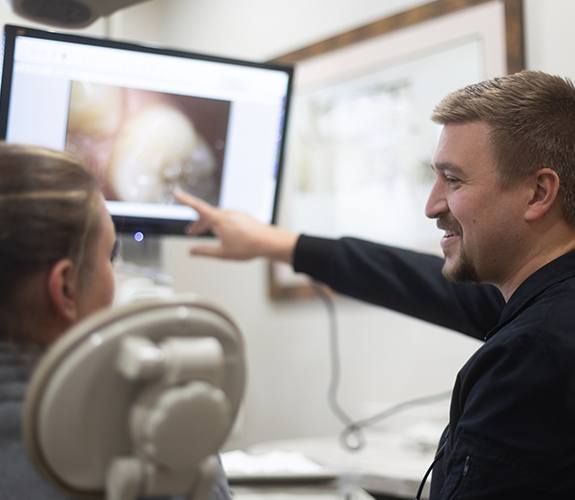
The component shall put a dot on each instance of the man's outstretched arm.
(402, 280)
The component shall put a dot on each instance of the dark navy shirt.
(511, 430)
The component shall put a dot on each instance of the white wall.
(549, 37)
(256, 29)
(386, 358)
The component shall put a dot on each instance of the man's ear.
(545, 191)
(62, 289)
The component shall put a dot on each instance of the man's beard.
(464, 270)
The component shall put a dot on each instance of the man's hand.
(241, 237)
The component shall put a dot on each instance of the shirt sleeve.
(404, 281)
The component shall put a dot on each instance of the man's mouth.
(450, 235)
(451, 232)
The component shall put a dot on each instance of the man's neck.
(546, 249)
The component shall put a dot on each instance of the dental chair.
(136, 401)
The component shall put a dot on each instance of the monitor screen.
(146, 120)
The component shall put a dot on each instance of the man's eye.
(451, 180)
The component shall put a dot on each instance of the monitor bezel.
(123, 223)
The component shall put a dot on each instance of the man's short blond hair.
(531, 115)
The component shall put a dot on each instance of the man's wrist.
(281, 245)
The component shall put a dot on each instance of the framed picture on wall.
(360, 139)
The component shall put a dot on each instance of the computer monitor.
(146, 120)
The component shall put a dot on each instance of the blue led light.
(139, 236)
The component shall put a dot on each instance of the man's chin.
(459, 270)
(448, 271)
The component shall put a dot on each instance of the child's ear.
(62, 289)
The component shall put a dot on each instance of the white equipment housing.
(137, 401)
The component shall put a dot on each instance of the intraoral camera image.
(142, 144)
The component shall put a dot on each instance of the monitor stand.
(138, 269)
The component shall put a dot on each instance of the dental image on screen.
(146, 121)
(141, 144)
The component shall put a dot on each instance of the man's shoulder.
(549, 318)
(556, 305)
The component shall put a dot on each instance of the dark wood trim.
(514, 35)
(411, 17)
(276, 291)
(282, 292)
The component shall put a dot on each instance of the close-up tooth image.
(95, 109)
(157, 149)
(143, 144)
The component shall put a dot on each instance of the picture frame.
(360, 137)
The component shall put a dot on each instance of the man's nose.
(436, 203)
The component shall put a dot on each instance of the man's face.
(483, 221)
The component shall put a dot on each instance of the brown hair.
(47, 212)
(531, 115)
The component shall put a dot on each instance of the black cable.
(352, 436)
(425, 476)
(438, 455)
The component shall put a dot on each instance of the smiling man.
(504, 197)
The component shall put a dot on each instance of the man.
(504, 195)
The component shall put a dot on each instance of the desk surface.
(293, 492)
(389, 464)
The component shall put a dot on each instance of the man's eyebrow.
(443, 166)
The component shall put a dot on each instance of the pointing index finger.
(204, 209)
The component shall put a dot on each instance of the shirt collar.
(550, 274)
